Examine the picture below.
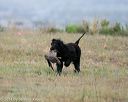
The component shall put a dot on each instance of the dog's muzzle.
(51, 48)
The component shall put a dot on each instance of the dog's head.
(57, 45)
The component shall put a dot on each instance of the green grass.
(26, 77)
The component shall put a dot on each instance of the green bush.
(72, 28)
(54, 30)
(126, 27)
(104, 23)
(50, 29)
(116, 29)
(1, 28)
(106, 31)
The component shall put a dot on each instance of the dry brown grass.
(26, 77)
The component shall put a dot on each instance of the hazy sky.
(63, 11)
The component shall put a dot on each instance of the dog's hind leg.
(77, 65)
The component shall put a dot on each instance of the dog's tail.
(77, 42)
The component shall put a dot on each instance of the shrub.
(121, 30)
(1, 28)
(105, 29)
(50, 29)
(85, 25)
(94, 27)
(117, 27)
(104, 23)
(72, 28)
(53, 30)
(126, 27)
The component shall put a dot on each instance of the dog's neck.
(62, 49)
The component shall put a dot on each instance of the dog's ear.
(53, 40)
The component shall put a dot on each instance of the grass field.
(26, 77)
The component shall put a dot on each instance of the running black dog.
(67, 53)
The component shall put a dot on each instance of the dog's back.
(73, 50)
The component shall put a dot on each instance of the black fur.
(67, 53)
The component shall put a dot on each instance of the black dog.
(67, 53)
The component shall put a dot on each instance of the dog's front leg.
(59, 67)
